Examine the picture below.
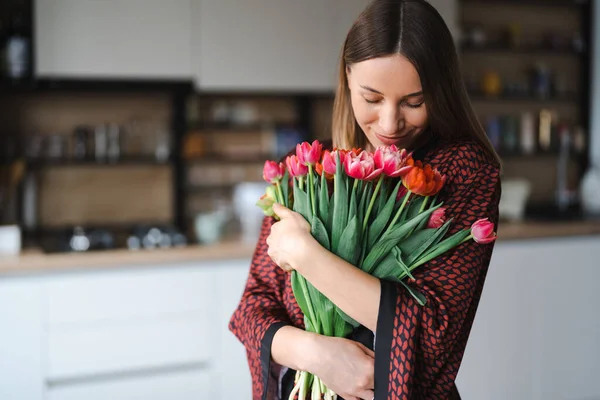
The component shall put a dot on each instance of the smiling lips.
(388, 140)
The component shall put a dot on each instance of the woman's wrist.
(305, 255)
(296, 348)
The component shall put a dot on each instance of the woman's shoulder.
(461, 158)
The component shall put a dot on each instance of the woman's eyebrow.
(370, 89)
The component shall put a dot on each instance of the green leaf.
(413, 242)
(392, 265)
(317, 229)
(388, 266)
(414, 206)
(431, 242)
(353, 208)
(302, 298)
(330, 214)
(383, 218)
(323, 200)
(390, 239)
(382, 198)
(340, 209)
(301, 204)
(341, 328)
(348, 247)
(348, 319)
(419, 297)
(442, 247)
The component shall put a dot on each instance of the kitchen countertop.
(36, 260)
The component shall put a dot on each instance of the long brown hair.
(414, 29)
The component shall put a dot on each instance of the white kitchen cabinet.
(21, 354)
(113, 39)
(231, 369)
(187, 385)
(535, 336)
(263, 45)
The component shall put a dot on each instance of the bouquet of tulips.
(378, 211)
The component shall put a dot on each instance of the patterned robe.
(419, 348)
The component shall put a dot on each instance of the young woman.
(399, 83)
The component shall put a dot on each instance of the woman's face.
(387, 99)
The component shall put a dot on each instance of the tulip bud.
(483, 231)
(437, 218)
(273, 172)
(295, 167)
(309, 154)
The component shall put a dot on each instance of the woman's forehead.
(393, 76)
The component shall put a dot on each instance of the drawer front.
(116, 294)
(128, 346)
(190, 385)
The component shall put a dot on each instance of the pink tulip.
(392, 161)
(361, 166)
(295, 167)
(483, 231)
(273, 172)
(437, 218)
(309, 154)
(329, 161)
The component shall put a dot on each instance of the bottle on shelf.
(17, 49)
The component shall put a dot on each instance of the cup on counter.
(245, 196)
(10, 240)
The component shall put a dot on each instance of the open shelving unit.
(506, 41)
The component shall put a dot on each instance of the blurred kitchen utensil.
(515, 193)
(10, 240)
(12, 176)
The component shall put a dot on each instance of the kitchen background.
(132, 139)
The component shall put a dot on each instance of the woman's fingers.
(367, 395)
(366, 350)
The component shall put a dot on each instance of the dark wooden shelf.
(552, 3)
(72, 162)
(225, 159)
(227, 127)
(525, 50)
(480, 97)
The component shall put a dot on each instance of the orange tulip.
(423, 180)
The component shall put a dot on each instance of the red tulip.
(392, 161)
(361, 166)
(295, 167)
(273, 172)
(437, 218)
(423, 181)
(309, 154)
(483, 231)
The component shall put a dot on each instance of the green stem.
(311, 183)
(372, 202)
(424, 204)
(397, 214)
(466, 239)
(301, 182)
(281, 200)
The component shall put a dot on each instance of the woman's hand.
(345, 366)
(289, 238)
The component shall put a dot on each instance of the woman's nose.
(390, 121)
